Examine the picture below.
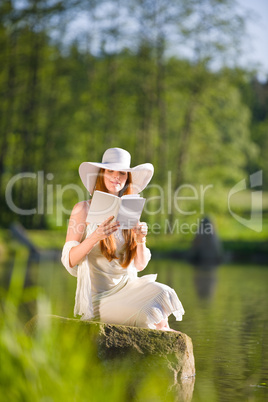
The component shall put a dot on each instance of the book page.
(130, 211)
(132, 196)
(103, 205)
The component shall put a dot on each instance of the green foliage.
(63, 102)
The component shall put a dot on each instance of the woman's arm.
(143, 254)
(76, 229)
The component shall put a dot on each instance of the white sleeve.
(83, 301)
(65, 256)
(83, 298)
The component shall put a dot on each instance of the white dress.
(115, 295)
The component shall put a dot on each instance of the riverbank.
(238, 249)
(231, 252)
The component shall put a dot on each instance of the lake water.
(226, 317)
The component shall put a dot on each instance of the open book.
(126, 209)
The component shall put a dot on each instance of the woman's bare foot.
(163, 326)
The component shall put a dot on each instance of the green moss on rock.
(115, 343)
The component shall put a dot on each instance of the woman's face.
(114, 180)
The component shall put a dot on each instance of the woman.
(106, 259)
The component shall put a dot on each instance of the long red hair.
(108, 245)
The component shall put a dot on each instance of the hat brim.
(141, 174)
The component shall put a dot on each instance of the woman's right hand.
(106, 228)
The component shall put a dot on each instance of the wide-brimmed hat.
(116, 159)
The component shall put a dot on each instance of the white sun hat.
(116, 159)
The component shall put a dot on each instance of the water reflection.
(205, 281)
(206, 255)
(183, 390)
(226, 317)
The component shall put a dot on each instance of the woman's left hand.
(141, 230)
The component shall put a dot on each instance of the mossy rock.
(117, 342)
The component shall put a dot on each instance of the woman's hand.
(141, 230)
(106, 228)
